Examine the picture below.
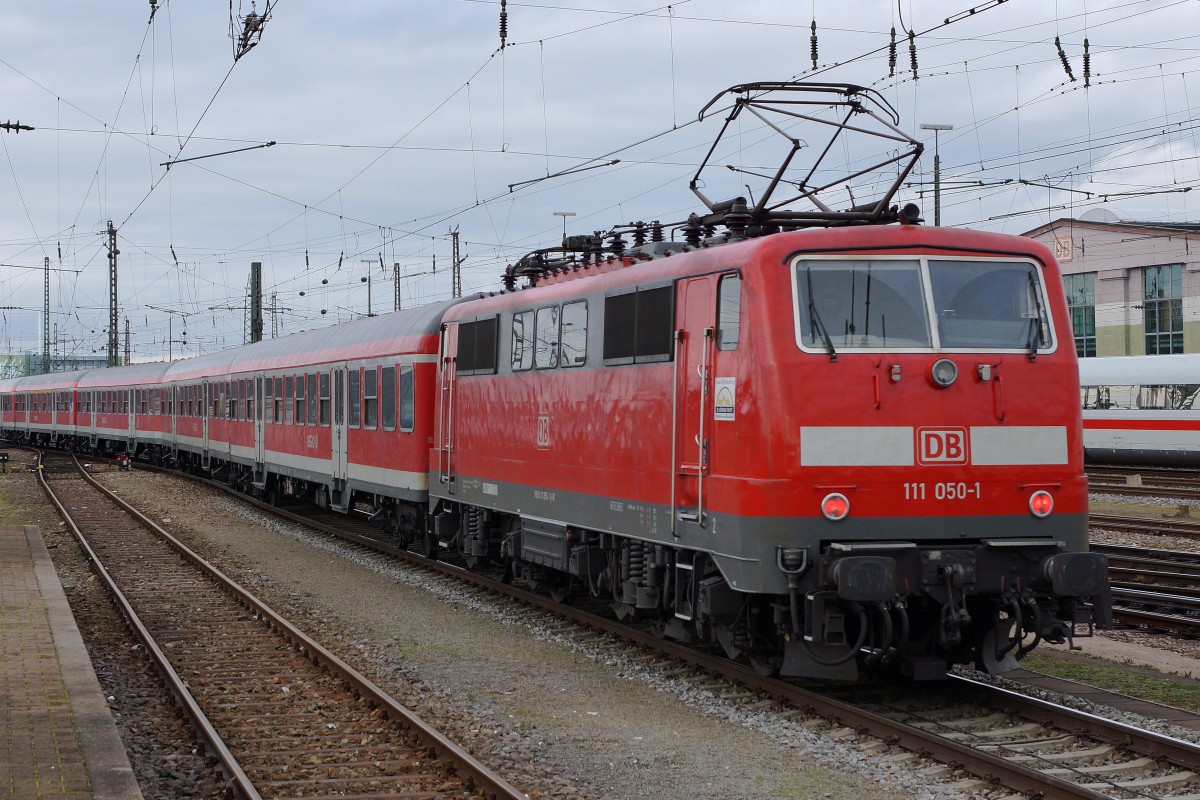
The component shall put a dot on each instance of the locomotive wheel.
(429, 545)
(985, 654)
(560, 591)
(765, 665)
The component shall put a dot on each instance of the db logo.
(941, 445)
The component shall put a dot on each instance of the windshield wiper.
(815, 324)
(1035, 338)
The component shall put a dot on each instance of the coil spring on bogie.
(637, 562)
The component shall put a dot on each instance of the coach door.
(447, 380)
(260, 432)
(95, 412)
(695, 323)
(205, 410)
(340, 455)
(131, 415)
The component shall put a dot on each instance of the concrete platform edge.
(104, 754)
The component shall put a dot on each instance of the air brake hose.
(848, 655)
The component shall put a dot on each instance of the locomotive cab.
(938, 502)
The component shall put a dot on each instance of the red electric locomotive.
(821, 448)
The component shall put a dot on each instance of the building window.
(1164, 309)
(1081, 301)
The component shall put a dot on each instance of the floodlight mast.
(936, 127)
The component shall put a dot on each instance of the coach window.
(370, 398)
(573, 344)
(729, 312)
(545, 351)
(288, 401)
(297, 399)
(279, 401)
(522, 341)
(387, 389)
(408, 406)
(354, 383)
(324, 399)
(268, 400)
(313, 399)
(638, 326)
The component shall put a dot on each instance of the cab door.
(447, 383)
(695, 330)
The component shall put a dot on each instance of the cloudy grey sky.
(398, 121)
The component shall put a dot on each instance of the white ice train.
(1141, 409)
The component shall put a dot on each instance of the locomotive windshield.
(918, 303)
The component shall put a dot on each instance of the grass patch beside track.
(1143, 683)
(11, 512)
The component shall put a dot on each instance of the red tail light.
(835, 506)
(1041, 503)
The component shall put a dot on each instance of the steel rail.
(1161, 527)
(985, 765)
(483, 778)
(239, 781)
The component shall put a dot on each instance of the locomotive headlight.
(835, 506)
(943, 373)
(1041, 503)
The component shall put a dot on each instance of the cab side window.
(545, 354)
(522, 341)
(729, 312)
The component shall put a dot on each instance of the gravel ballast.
(547, 709)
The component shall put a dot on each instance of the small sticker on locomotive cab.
(724, 398)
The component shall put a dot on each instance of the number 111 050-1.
(942, 491)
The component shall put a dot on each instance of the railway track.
(1182, 484)
(999, 736)
(283, 716)
(1156, 589)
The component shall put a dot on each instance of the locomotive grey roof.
(1140, 370)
